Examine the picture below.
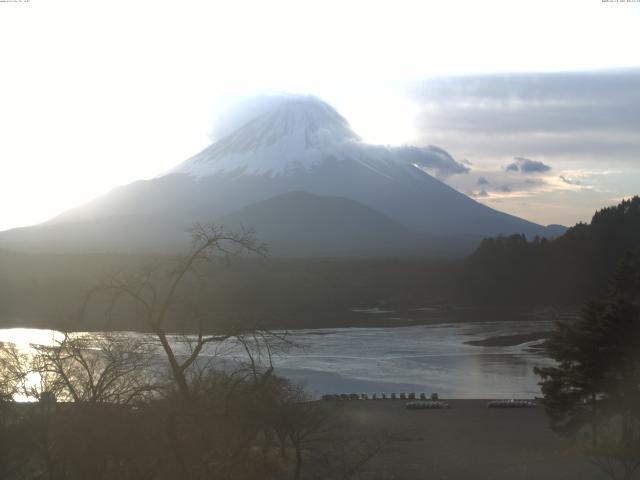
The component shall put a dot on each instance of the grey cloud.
(623, 148)
(532, 181)
(570, 181)
(536, 102)
(616, 84)
(501, 182)
(526, 165)
(430, 157)
(573, 114)
(523, 117)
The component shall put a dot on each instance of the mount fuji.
(292, 168)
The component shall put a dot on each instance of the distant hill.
(572, 267)
(303, 224)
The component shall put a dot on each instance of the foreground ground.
(468, 441)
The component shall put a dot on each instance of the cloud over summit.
(430, 158)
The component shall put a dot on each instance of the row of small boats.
(426, 405)
(378, 396)
(511, 404)
(421, 401)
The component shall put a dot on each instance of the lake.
(428, 358)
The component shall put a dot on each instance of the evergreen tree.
(572, 388)
(598, 371)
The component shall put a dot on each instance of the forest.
(569, 269)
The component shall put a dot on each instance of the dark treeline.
(45, 290)
(566, 270)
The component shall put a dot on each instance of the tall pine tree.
(597, 375)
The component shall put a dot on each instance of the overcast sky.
(97, 94)
(549, 147)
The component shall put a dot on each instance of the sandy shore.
(467, 441)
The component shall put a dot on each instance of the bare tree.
(316, 432)
(346, 457)
(105, 368)
(209, 423)
(14, 371)
(202, 437)
(307, 424)
(10, 379)
(161, 293)
(617, 453)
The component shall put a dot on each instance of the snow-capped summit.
(286, 135)
(294, 132)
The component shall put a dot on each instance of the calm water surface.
(431, 358)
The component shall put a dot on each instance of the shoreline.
(354, 317)
(510, 340)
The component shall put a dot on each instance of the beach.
(468, 440)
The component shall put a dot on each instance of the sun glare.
(23, 338)
(391, 123)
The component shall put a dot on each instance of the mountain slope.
(116, 233)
